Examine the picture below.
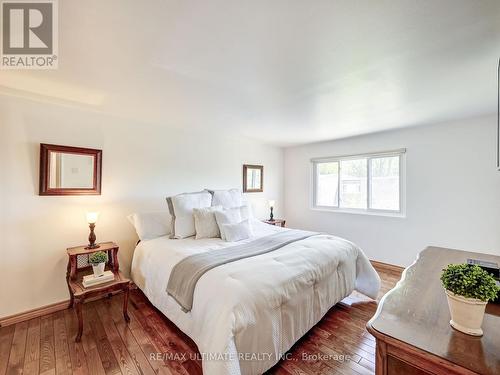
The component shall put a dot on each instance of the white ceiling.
(284, 72)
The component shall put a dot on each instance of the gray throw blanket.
(188, 271)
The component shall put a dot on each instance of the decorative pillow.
(181, 208)
(246, 211)
(227, 216)
(237, 232)
(231, 216)
(149, 225)
(205, 223)
(227, 198)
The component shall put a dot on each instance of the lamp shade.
(271, 203)
(92, 217)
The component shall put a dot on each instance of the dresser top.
(416, 312)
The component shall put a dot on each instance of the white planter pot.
(98, 269)
(466, 313)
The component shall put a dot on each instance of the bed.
(246, 314)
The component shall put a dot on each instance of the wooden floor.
(109, 346)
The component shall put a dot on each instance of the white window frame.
(401, 153)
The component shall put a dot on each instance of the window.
(360, 183)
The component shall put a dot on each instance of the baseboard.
(35, 313)
(386, 266)
(44, 310)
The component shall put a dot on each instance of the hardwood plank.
(141, 362)
(125, 361)
(76, 349)
(94, 362)
(276, 370)
(116, 305)
(153, 334)
(306, 353)
(340, 343)
(88, 339)
(349, 336)
(136, 340)
(32, 354)
(177, 344)
(6, 336)
(335, 359)
(47, 351)
(33, 341)
(108, 359)
(17, 350)
(61, 348)
(292, 367)
(149, 350)
(32, 367)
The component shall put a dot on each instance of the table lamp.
(271, 207)
(92, 219)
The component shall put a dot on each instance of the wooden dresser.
(412, 327)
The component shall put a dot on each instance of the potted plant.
(98, 261)
(468, 289)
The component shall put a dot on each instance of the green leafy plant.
(469, 281)
(98, 257)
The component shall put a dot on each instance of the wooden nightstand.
(278, 222)
(78, 266)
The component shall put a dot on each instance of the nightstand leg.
(78, 307)
(71, 298)
(68, 275)
(125, 303)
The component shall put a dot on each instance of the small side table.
(277, 222)
(78, 266)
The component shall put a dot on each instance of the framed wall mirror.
(253, 178)
(68, 170)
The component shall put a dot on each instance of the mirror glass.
(254, 179)
(71, 171)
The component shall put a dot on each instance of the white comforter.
(248, 313)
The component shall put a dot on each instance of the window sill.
(401, 215)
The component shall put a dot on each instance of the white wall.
(453, 191)
(142, 164)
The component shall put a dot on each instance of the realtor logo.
(29, 34)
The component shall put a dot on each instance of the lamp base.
(92, 238)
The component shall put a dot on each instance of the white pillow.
(237, 232)
(227, 216)
(227, 198)
(231, 216)
(149, 225)
(246, 211)
(205, 223)
(181, 208)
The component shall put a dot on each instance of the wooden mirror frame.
(45, 189)
(250, 166)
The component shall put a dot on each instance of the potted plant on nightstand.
(468, 289)
(98, 261)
